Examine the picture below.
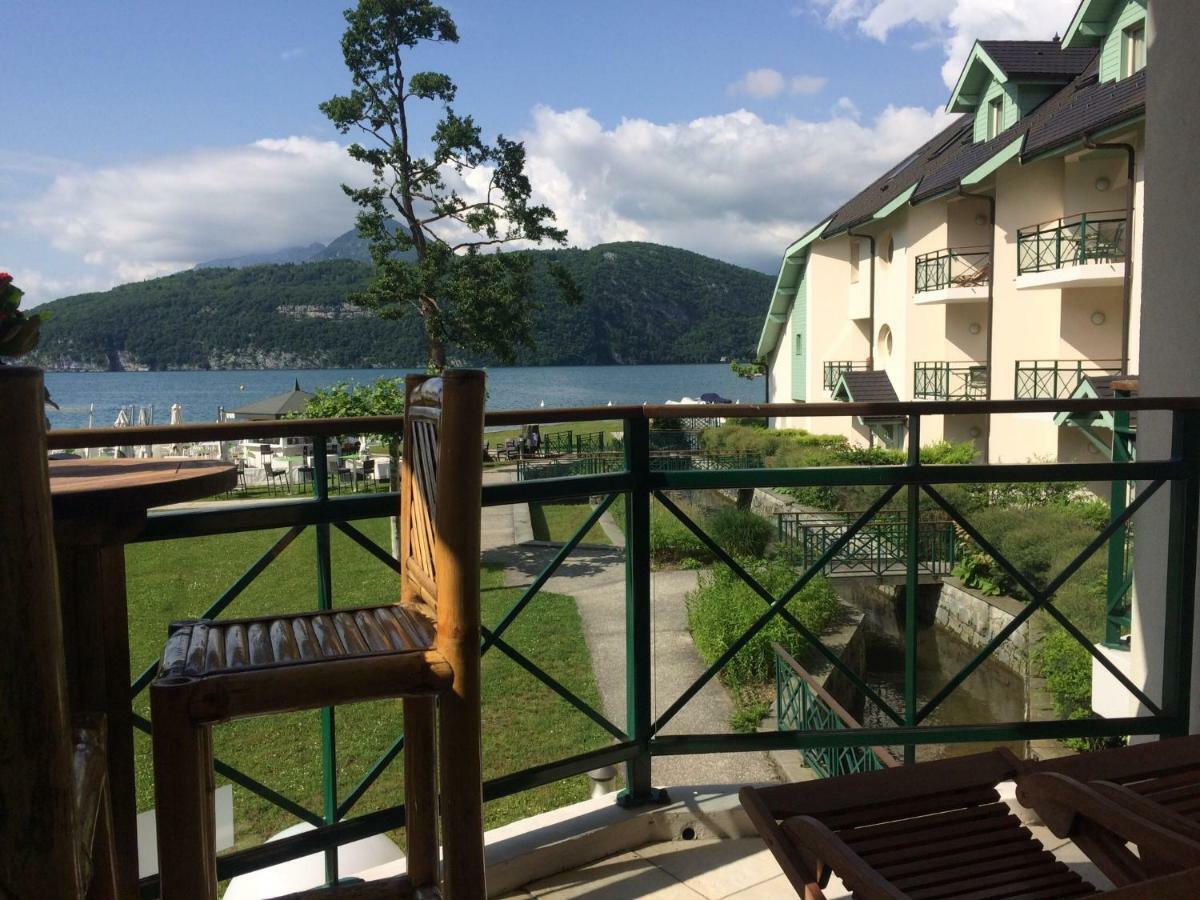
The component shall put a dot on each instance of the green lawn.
(560, 521)
(524, 723)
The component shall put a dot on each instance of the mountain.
(642, 303)
(286, 255)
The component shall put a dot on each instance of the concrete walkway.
(595, 577)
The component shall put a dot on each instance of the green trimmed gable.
(799, 344)
(1103, 24)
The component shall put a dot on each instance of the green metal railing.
(1049, 379)
(1071, 241)
(802, 704)
(833, 369)
(878, 548)
(558, 443)
(963, 267)
(949, 381)
(643, 733)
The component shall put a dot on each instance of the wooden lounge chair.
(1157, 781)
(937, 830)
(425, 648)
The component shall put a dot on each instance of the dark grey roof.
(1039, 60)
(1087, 107)
(869, 387)
(1081, 106)
(862, 206)
(280, 405)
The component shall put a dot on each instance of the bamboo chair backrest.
(440, 481)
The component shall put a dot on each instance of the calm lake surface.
(202, 393)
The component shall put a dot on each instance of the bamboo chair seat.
(199, 648)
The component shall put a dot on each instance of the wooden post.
(183, 796)
(37, 796)
(456, 560)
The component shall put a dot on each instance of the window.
(1133, 49)
(995, 117)
(855, 257)
(799, 344)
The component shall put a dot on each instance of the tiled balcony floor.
(732, 869)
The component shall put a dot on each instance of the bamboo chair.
(425, 648)
(940, 830)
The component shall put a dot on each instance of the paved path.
(595, 577)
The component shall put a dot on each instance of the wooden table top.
(93, 487)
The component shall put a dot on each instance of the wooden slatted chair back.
(418, 486)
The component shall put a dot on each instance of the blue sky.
(142, 137)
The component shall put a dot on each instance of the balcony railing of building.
(1048, 379)
(879, 548)
(909, 490)
(954, 267)
(1072, 241)
(950, 381)
(833, 370)
(804, 705)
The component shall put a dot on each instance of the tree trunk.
(433, 340)
(745, 497)
(394, 485)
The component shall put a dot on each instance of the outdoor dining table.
(99, 507)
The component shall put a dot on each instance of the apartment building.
(999, 260)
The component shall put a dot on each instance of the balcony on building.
(1082, 250)
(937, 380)
(1058, 379)
(833, 369)
(953, 275)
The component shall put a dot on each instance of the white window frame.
(995, 117)
(1133, 49)
(855, 260)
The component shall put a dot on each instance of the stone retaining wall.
(976, 619)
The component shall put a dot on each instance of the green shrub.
(722, 607)
(946, 453)
(739, 532)
(1067, 667)
(670, 540)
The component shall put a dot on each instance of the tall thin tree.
(437, 213)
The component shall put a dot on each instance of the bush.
(946, 453)
(722, 607)
(740, 532)
(670, 540)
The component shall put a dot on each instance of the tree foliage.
(419, 200)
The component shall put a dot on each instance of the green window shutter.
(799, 339)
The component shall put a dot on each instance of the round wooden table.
(99, 507)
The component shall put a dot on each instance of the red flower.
(5, 277)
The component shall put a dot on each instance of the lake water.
(202, 393)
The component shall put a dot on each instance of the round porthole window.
(883, 344)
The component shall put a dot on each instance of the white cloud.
(763, 83)
(146, 219)
(846, 108)
(733, 186)
(955, 23)
(807, 84)
(759, 83)
(292, 53)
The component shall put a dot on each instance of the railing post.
(325, 603)
(1118, 499)
(639, 712)
(1182, 535)
(910, 586)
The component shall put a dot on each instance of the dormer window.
(995, 117)
(1133, 49)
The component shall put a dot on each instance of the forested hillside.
(643, 303)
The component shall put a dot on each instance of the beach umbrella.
(176, 414)
(122, 421)
(144, 450)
